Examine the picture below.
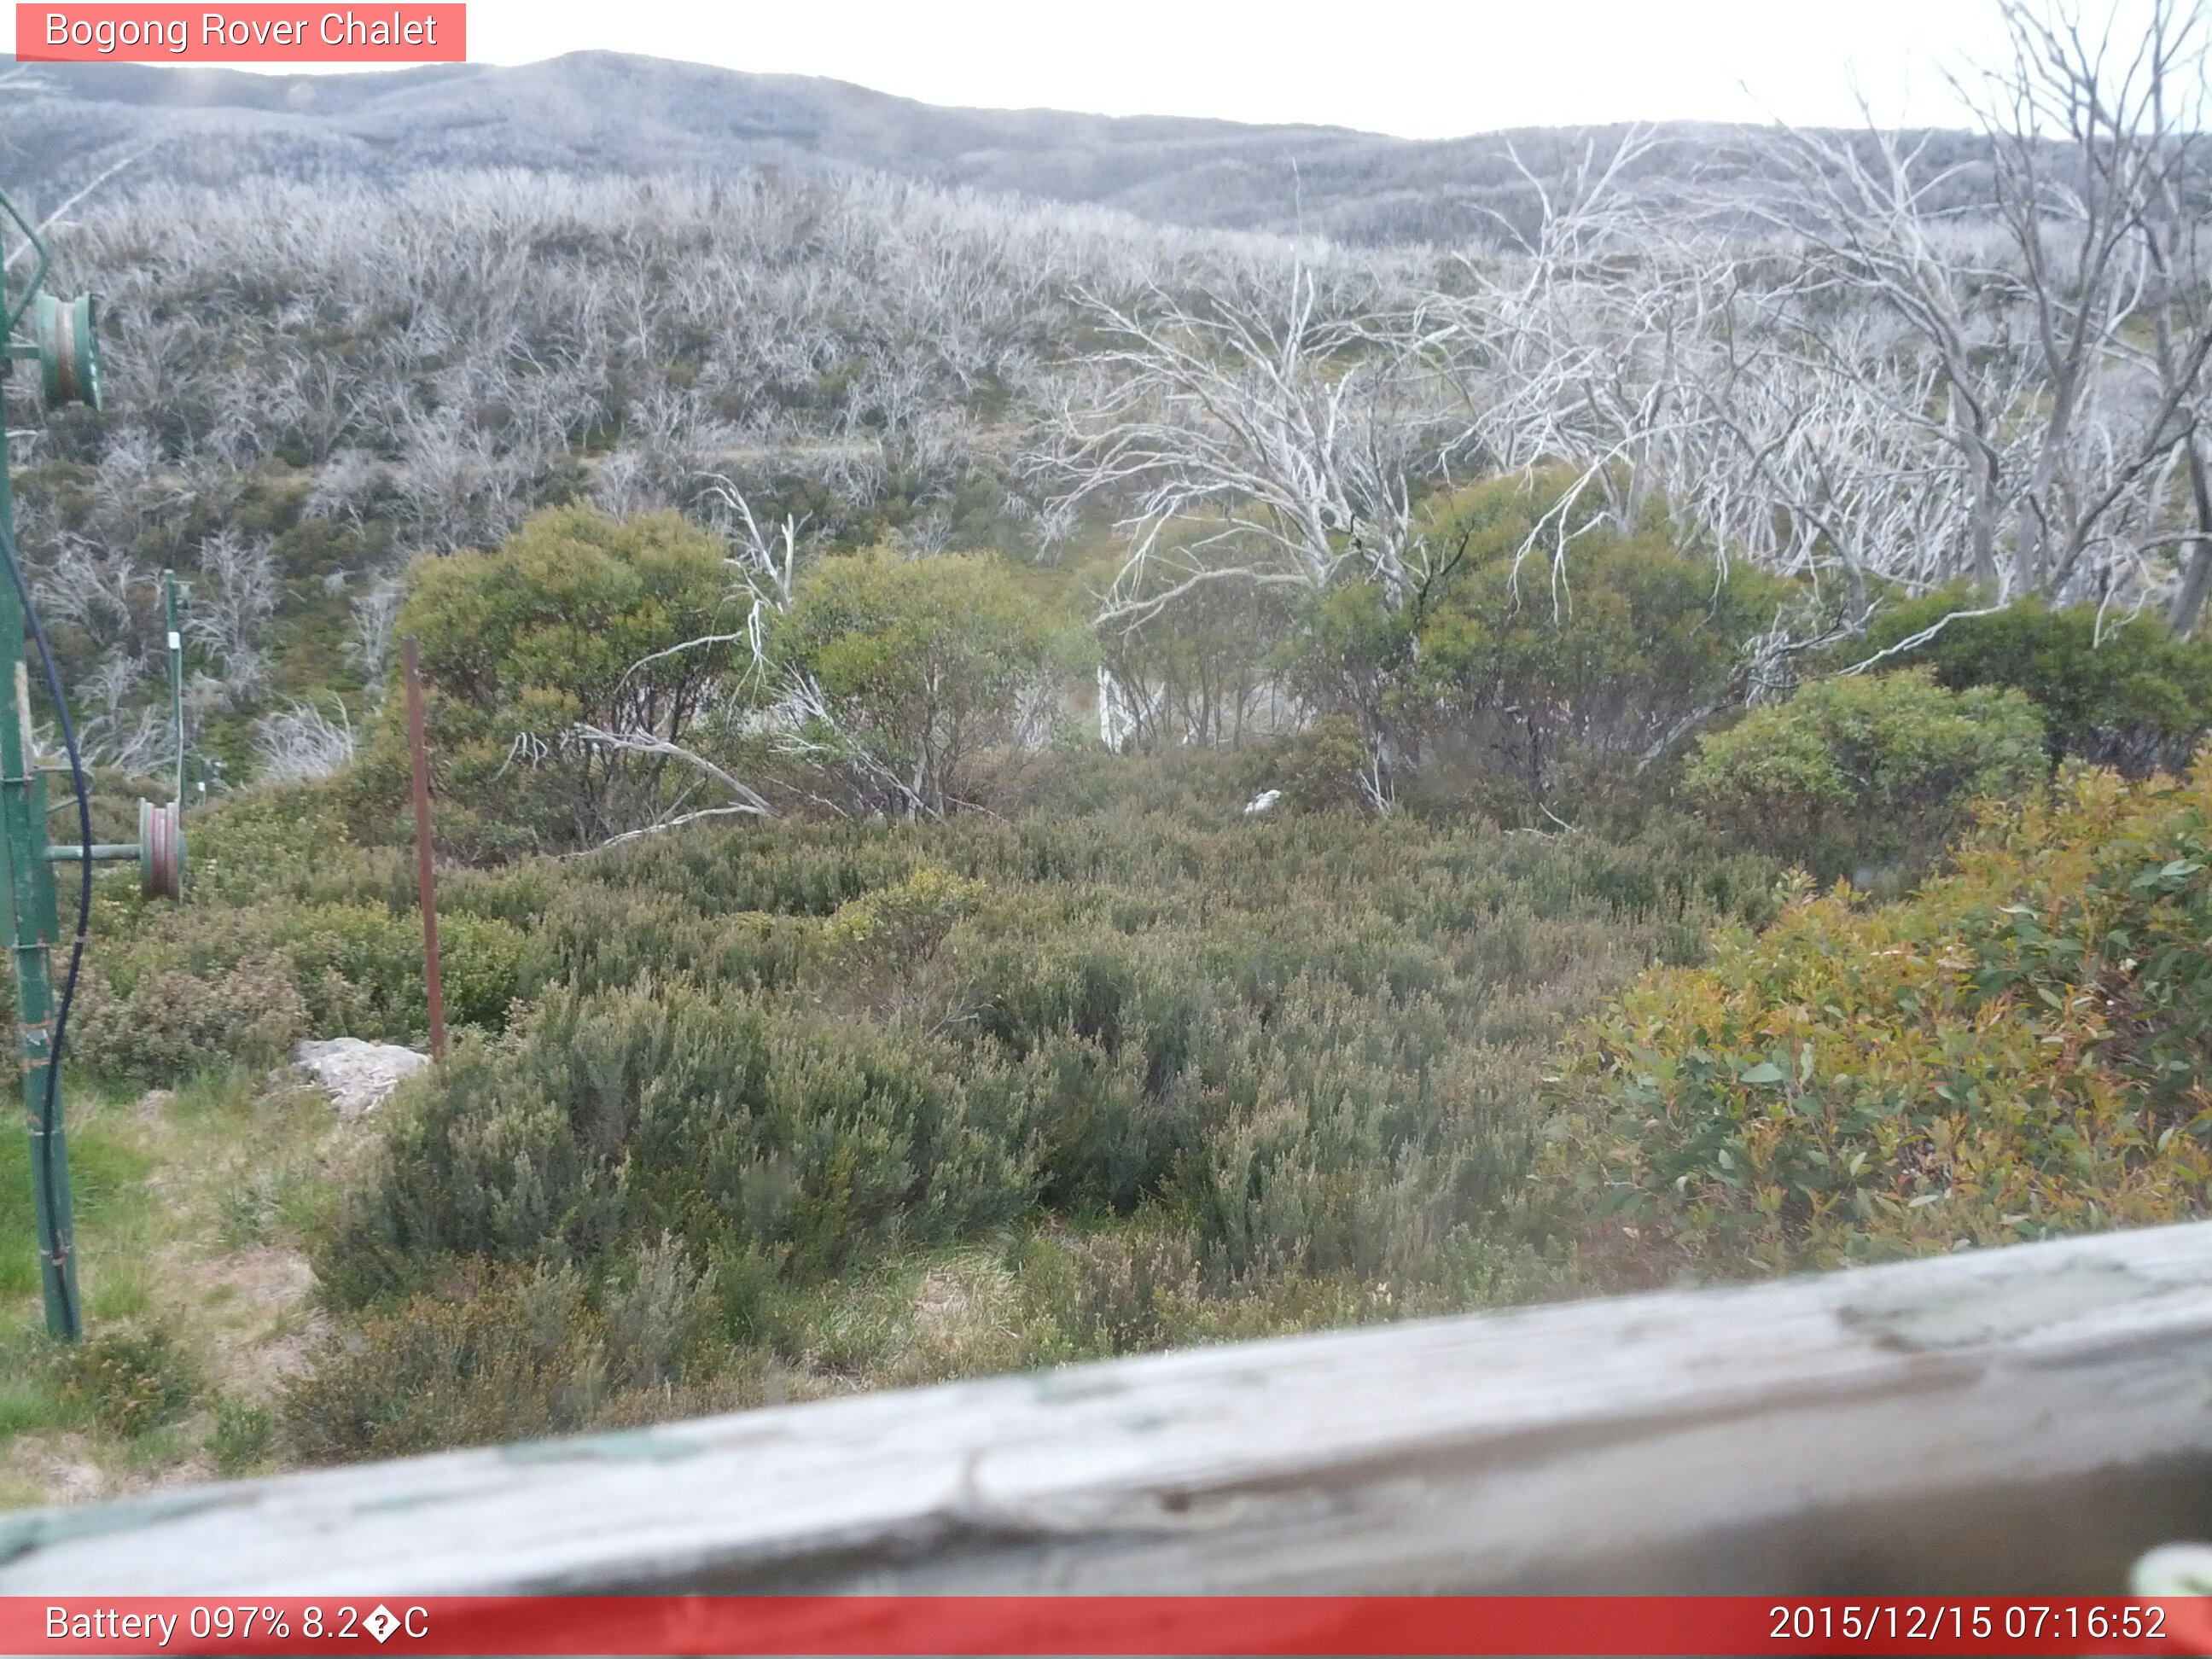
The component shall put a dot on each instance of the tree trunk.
(2181, 618)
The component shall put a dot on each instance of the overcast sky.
(1417, 68)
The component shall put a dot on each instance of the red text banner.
(1089, 1626)
(258, 34)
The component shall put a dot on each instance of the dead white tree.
(743, 800)
(375, 613)
(1275, 433)
(2088, 125)
(231, 604)
(1269, 435)
(1573, 338)
(302, 743)
(2056, 340)
(119, 726)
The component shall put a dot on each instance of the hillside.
(614, 114)
(1024, 765)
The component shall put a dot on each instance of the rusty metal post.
(422, 759)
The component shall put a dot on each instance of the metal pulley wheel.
(161, 851)
(69, 350)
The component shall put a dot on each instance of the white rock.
(1262, 802)
(356, 1075)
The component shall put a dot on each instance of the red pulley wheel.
(161, 851)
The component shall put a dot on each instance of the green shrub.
(522, 646)
(496, 1356)
(2118, 691)
(1549, 684)
(1869, 775)
(174, 1022)
(1126, 1001)
(262, 842)
(2020, 1048)
(129, 1378)
(902, 925)
(290, 929)
(1509, 682)
(360, 969)
(636, 1112)
(244, 1436)
(201, 986)
(1324, 766)
(925, 665)
(1280, 1070)
(1128, 1291)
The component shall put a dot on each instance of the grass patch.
(104, 1168)
(190, 1322)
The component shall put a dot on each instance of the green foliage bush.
(1866, 777)
(361, 969)
(1126, 1292)
(2020, 1048)
(2119, 692)
(172, 1022)
(129, 1378)
(521, 646)
(501, 1355)
(625, 1114)
(288, 929)
(267, 842)
(1308, 1049)
(1509, 682)
(243, 1436)
(200, 986)
(902, 925)
(1326, 765)
(1563, 681)
(924, 664)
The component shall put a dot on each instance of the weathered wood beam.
(2022, 1419)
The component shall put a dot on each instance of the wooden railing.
(2021, 1420)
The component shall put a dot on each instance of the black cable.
(50, 1109)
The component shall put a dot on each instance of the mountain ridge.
(611, 112)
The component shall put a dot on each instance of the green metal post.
(33, 923)
(67, 351)
(176, 678)
(33, 926)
